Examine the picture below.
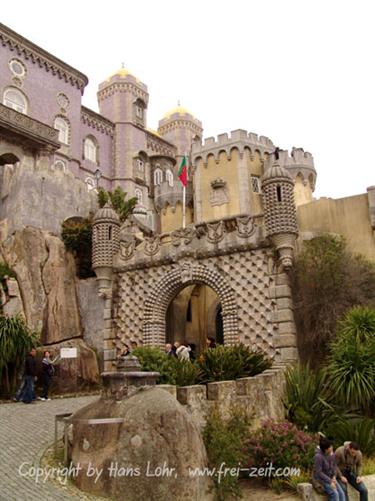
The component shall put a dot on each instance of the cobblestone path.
(25, 432)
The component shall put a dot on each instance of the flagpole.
(183, 206)
(184, 200)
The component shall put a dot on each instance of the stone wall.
(260, 396)
(34, 193)
(91, 310)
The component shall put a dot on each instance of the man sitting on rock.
(349, 460)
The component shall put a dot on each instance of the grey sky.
(299, 72)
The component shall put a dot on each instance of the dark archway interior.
(194, 314)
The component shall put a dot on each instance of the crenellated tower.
(300, 165)
(227, 173)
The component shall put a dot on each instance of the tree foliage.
(77, 237)
(16, 340)
(77, 232)
(327, 280)
(124, 207)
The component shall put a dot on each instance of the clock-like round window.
(62, 101)
(17, 68)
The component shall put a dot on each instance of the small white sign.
(68, 352)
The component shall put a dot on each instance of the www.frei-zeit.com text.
(42, 474)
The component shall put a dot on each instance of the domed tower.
(280, 211)
(123, 99)
(180, 128)
(105, 244)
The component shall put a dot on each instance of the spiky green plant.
(16, 340)
(352, 360)
(231, 362)
(307, 398)
(355, 429)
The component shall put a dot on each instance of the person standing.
(28, 393)
(349, 460)
(48, 371)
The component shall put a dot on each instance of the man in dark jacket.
(30, 375)
(349, 460)
(326, 473)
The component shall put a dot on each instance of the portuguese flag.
(182, 172)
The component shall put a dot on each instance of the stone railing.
(32, 129)
(260, 396)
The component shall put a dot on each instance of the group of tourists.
(333, 471)
(184, 350)
(26, 392)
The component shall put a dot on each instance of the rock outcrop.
(46, 277)
(149, 456)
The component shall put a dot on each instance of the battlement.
(236, 136)
(298, 158)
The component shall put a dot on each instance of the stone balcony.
(33, 133)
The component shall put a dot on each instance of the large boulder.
(73, 374)
(149, 456)
(46, 277)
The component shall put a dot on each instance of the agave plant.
(307, 398)
(232, 362)
(354, 429)
(16, 340)
(352, 360)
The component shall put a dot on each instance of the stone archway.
(156, 304)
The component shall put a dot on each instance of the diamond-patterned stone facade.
(242, 281)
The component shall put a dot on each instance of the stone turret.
(105, 244)
(280, 211)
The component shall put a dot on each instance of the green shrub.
(185, 372)
(306, 398)
(77, 237)
(231, 362)
(224, 444)
(154, 360)
(355, 429)
(326, 281)
(16, 340)
(282, 444)
(352, 360)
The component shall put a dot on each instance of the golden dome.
(178, 109)
(122, 73)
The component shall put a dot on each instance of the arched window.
(139, 195)
(60, 165)
(141, 165)
(90, 150)
(62, 126)
(158, 177)
(139, 109)
(169, 177)
(13, 98)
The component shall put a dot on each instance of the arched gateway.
(139, 273)
(156, 304)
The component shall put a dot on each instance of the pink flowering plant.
(282, 444)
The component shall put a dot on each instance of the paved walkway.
(26, 431)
